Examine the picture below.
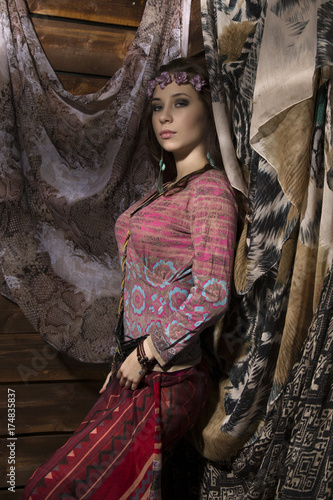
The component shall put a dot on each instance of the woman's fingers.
(105, 383)
(130, 372)
(129, 381)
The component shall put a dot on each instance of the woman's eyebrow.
(173, 95)
(180, 94)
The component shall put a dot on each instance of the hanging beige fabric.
(276, 96)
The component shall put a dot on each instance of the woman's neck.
(190, 164)
(187, 177)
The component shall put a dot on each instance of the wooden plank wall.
(85, 41)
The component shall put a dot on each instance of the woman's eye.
(181, 103)
(156, 107)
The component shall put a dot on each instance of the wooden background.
(85, 41)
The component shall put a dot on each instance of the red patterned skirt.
(116, 453)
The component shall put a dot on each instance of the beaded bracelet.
(142, 358)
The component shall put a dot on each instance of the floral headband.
(180, 77)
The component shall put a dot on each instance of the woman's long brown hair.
(192, 67)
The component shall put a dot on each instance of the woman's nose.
(165, 116)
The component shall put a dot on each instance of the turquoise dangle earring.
(211, 161)
(160, 175)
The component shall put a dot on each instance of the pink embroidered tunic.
(179, 266)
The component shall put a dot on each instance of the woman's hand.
(131, 372)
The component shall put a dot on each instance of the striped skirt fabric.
(116, 453)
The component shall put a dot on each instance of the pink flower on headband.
(198, 82)
(151, 86)
(180, 77)
(163, 80)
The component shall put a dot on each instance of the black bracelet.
(142, 358)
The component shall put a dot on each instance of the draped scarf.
(69, 166)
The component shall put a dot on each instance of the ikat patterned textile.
(69, 166)
(292, 455)
(270, 66)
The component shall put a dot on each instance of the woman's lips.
(166, 134)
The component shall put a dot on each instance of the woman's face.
(178, 120)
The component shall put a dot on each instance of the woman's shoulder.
(212, 180)
(212, 191)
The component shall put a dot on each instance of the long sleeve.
(213, 219)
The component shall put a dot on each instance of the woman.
(177, 257)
